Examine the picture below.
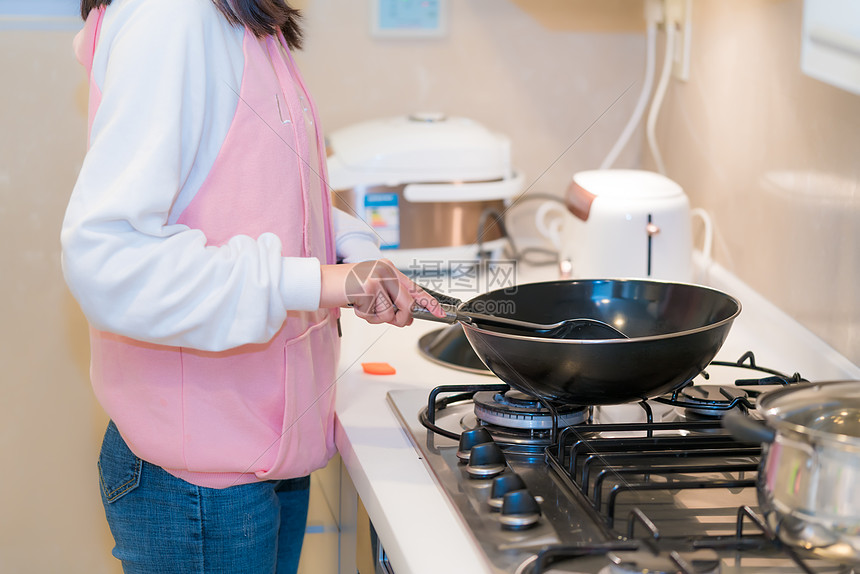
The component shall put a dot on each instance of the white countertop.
(411, 514)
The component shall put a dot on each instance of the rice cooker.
(628, 223)
(429, 185)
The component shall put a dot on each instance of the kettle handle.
(707, 244)
(549, 221)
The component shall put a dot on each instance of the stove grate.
(746, 389)
(653, 544)
(694, 456)
(653, 469)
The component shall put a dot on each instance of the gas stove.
(652, 487)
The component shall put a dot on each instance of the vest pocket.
(119, 468)
(307, 430)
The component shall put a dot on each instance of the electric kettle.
(624, 223)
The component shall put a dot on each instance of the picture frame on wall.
(40, 15)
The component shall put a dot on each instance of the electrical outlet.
(678, 13)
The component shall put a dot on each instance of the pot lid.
(627, 184)
(829, 411)
(423, 147)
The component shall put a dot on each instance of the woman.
(201, 244)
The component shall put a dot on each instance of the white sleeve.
(132, 271)
(355, 239)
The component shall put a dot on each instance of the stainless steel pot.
(809, 479)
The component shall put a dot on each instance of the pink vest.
(260, 411)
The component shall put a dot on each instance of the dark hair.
(262, 17)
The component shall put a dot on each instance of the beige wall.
(558, 94)
(743, 137)
(774, 155)
(49, 423)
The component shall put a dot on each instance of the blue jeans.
(161, 523)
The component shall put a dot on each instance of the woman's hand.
(377, 291)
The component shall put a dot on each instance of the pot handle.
(746, 429)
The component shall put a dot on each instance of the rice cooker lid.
(627, 184)
(827, 411)
(422, 147)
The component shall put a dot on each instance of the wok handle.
(422, 313)
(449, 304)
(747, 429)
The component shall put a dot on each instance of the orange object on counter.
(378, 369)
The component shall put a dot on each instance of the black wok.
(674, 331)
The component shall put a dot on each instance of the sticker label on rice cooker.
(382, 212)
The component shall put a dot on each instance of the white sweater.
(169, 72)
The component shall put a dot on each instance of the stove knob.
(486, 460)
(520, 510)
(470, 438)
(503, 485)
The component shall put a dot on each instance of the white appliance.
(428, 184)
(624, 223)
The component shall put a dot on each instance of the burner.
(516, 410)
(711, 401)
(715, 400)
(642, 562)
